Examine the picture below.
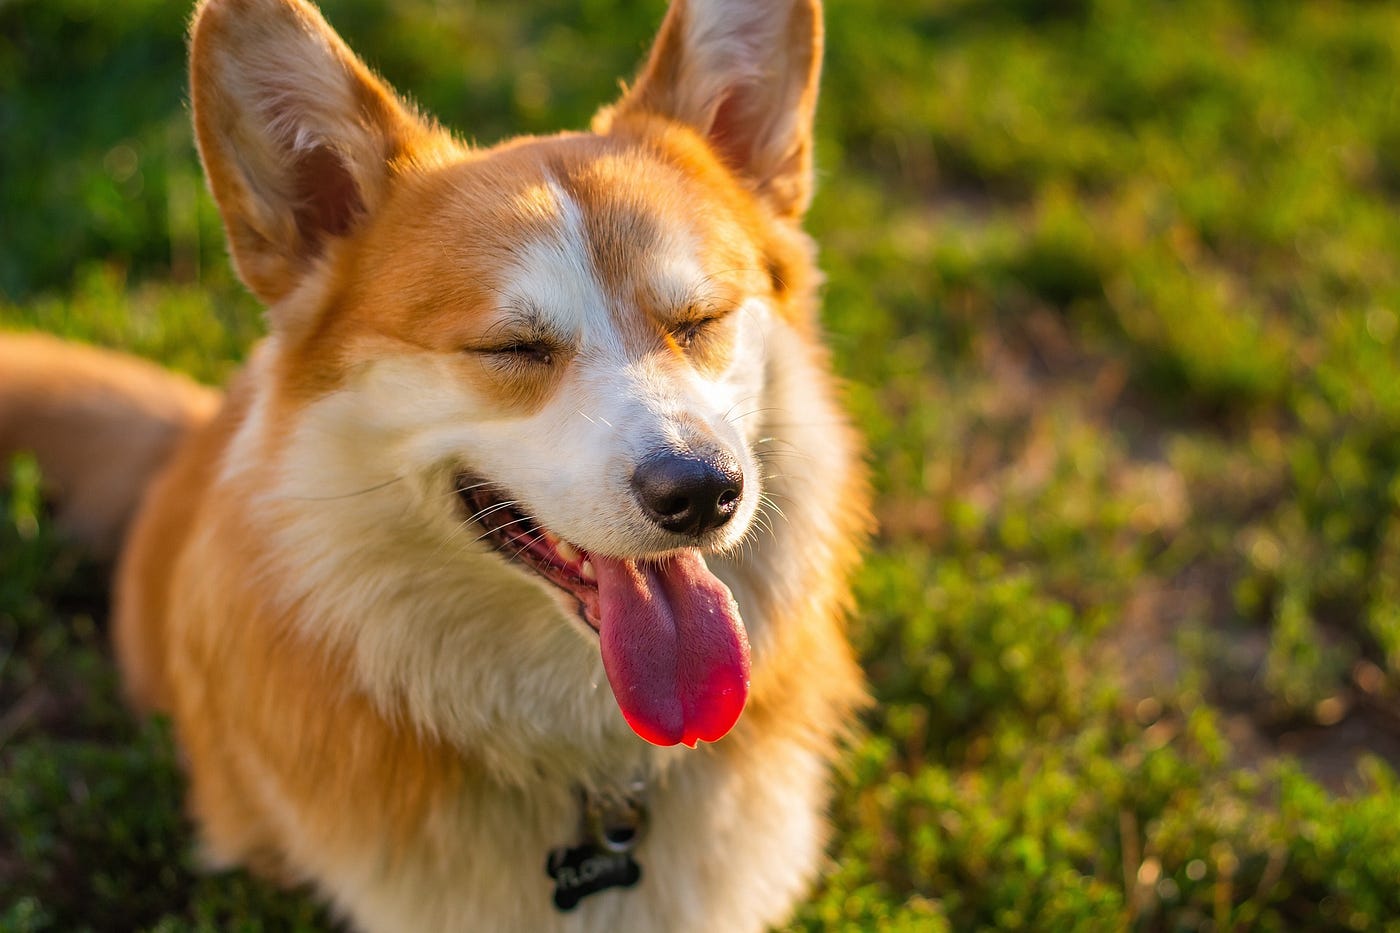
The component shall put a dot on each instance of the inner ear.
(726, 132)
(300, 141)
(743, 74)
(328, 202)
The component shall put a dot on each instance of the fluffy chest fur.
(408, 728)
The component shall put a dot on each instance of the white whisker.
(347, 495)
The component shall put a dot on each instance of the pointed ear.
(742, 73)
(297, 137)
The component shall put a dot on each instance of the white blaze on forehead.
(553, 275)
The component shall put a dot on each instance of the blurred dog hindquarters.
(99, 423)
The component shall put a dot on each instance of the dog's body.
(384, 690)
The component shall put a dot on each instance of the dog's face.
(593, 336)
(561, 341)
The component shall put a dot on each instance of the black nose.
(689, 494)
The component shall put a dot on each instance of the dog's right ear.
(299, 140)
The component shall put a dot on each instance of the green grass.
(1116, 284)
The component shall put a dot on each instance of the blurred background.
(1115, 285)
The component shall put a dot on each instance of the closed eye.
(530, 351)
(515, 354)
(688, 333)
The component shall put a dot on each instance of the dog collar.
(611, 826)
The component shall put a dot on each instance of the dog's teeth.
(567, 551)
(587, 572)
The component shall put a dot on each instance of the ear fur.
(744, 74)
(297, 137)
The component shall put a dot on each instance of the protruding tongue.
(674, 648)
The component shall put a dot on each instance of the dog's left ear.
(742, 73)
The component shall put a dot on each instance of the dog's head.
(561, 339)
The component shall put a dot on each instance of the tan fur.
(368, 700)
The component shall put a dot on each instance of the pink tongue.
(674, 648)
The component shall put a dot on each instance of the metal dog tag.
(586, 869)
(613, 824)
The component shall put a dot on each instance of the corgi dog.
(505, 587)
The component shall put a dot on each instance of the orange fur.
(100, 424)
(325, 660)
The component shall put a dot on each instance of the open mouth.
(674, 648)
(520, 538)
